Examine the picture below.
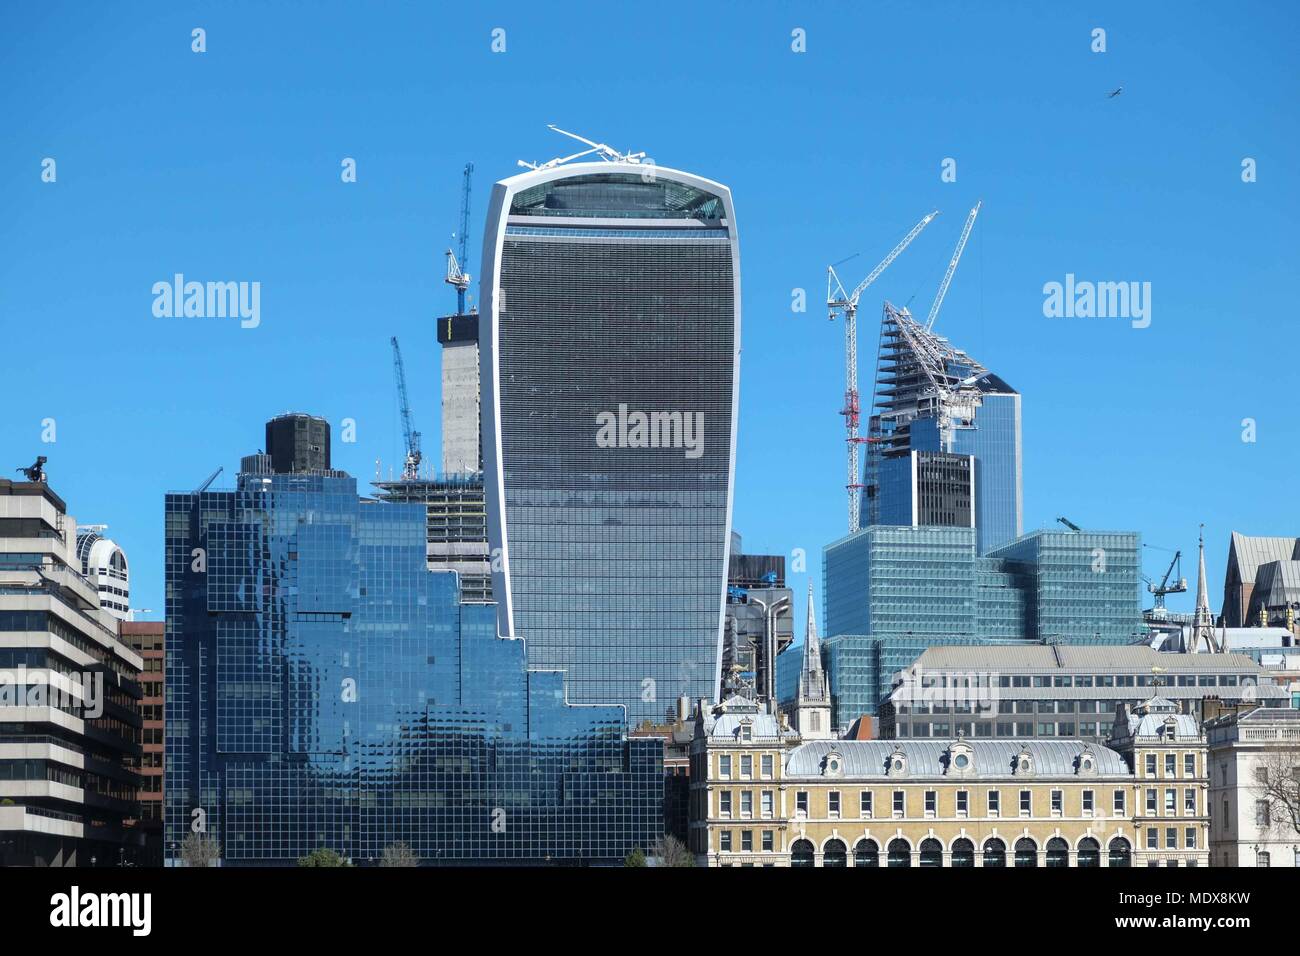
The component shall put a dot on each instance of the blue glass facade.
(893, 591)
(994, 441)
(325, 689)
(610, 298)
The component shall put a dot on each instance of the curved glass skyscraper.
(610, 347)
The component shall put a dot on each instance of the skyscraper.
(944, 442)
(610, 341)
(326, 689)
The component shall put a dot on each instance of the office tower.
(943, 445)
(298, 443)
(104, 565)
(146, 638)
(892, 592)
(610, 341)
(325, 689)
(759, 623)
(69, 697)
(462, 444)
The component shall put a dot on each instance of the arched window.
(963, 852)
(835, 854)
(801, 854)
(931, 853)
(1058, 852)
(900, 854)
(1120, 854)
(1026, 852)
(866, 853)
(995, 852)
(1089, 852)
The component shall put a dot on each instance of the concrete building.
(1254, 755)
(69, 698)
(455, 527)
(147, 639)
(1058, 690)
(760, 797)
(610, 344)
(462, 443)
(104, 564)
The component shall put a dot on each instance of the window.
(801, 802)
(1171, 801)
(1261, 776)
(747, 841)
(1151, 765)
(1189, 801)
(746, 766)
(1087, 801)
(1190, 838)
(1024, 803)
(864, 803)
(1262, 816)
(1118, 805)
(766, 764)
(1263, 859)
(833, 799)
(1171, 838)
(1151, 802)
(724, 803)
(963, 803)
(1058, 802)
(767, 841)
(1171, 765)
(898, 803)
(995, 801)
(724, 841)
(747, 803)
(931, 802)
(1189, 765)
(747, 732)
(1153, 838)
(724, 766)
(767, 803)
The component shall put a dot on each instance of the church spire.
(1202, 621)
(812, 714)
(812, 649)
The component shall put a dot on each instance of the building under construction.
(456, 527)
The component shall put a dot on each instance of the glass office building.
(944, 438)
(610, 340)
(327, 690)
(892, 592)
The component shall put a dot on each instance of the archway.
(995, 852)
(1026, 852)
(801, 854)
(963, 853)
(1120, 853)
(900, 854)
(866, 853)
(835, 854)
(1089, 852)
(931, 853)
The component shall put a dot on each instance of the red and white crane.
(838, 301)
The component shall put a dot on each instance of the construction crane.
(411, 470)
(456, 274)
(952, 266)
(1069, 524)
(838, 301)
(1178, 586)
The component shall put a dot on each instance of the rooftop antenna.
(607, 153)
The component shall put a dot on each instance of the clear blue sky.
(225, 166)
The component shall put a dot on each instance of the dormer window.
(897, 764)
(1087, 764)
(1025, 763)
(833, 765)
(961, 759)
(746, 732)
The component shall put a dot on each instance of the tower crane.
(456, 274)
(411, 469)
(952, 266)
(838, 301)
(1178, 586)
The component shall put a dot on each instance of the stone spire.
(1203, 621)
(813, 703)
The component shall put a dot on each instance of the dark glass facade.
(612, 294)
(325, 689)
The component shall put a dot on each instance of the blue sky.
(226, 166)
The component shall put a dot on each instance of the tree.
(1277, 781)
(399, 854)
(200, 850)
(635, 858)
(670, 851)
(323, 857)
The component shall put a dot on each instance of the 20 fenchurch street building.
(610, 356)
